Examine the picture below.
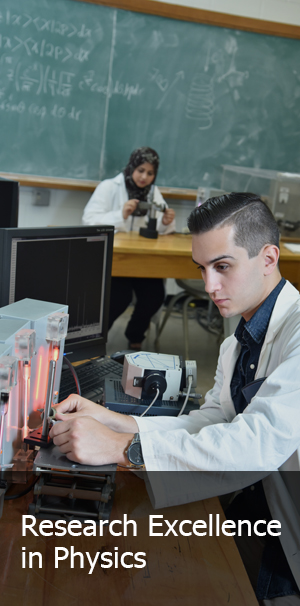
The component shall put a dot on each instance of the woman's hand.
(168, 217)
(129, 207)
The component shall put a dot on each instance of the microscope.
(152, 206)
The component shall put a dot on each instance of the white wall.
(283, 11)
(65, 208)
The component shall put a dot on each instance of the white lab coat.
(265, 438)
(106, 205)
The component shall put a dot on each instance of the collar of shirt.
(257, 326)
(251, 336)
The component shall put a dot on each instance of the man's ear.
(270, 254)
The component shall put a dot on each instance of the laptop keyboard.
(91, 376)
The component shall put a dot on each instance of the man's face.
(235, 283)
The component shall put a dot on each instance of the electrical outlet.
(42, 197)
(283, 195)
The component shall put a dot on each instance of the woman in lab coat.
(116, 202)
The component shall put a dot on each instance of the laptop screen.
(63, 265)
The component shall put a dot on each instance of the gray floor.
(204, 346)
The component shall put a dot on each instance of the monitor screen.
(9, 203)
(65, 265)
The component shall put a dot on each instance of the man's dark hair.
(254, 224)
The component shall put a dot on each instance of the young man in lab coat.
(235, 243)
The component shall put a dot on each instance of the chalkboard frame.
(178, 193)
(197, 15)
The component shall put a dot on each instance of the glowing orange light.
(26, 399)
(55, 353)
(8, 417)
(38, 377)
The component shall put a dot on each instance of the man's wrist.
(124, 441)
(118, 422)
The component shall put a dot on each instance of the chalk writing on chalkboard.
(82, 85)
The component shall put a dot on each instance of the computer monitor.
(9, 203)
(65, 265)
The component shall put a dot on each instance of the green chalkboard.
(82, 85)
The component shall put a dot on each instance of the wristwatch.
(134, 452)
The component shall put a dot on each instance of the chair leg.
(185, 325)
(210, 310)
(156, 340)
(169, 309)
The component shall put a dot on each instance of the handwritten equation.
(41, 111)
(42, 79)
(90, 83)
(40, 24)
(34, 48)
(37, 67)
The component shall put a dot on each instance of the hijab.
(140, 156)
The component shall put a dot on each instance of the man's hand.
(75, 407)
(78, 404)
(168, 217)
(86, 441)
(129, 207)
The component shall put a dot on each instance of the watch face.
(134, 454)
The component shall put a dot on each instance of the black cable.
(74, 373)
(21, 494)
